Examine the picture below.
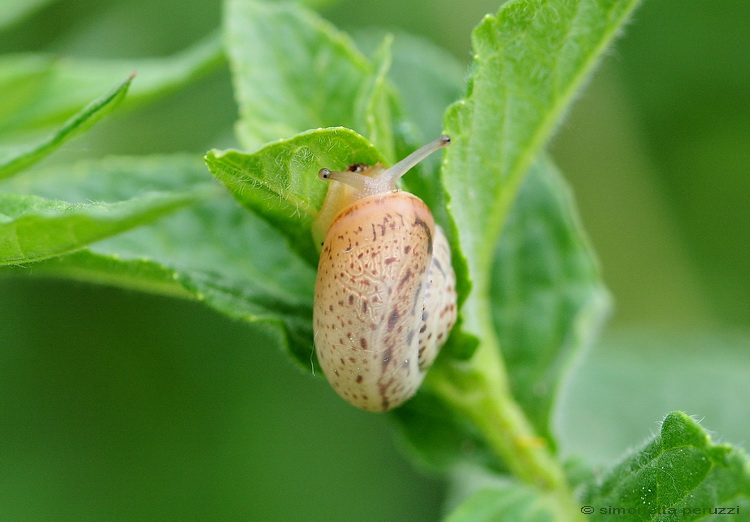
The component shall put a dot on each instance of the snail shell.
(385, 296)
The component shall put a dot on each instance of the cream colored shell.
(385, 299)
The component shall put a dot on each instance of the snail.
(385, 296)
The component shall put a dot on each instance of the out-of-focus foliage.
(143, 407)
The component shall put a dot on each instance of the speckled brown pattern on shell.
(375, 270)
(439, 314)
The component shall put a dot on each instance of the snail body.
(385, 296)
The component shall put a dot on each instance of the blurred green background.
(119, 405)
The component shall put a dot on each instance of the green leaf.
(680, 475)
(623, 384)
(21, 79)
(280, 183)
(13, 11)
(318, 4)
(549, 301)
(549, 296)
(142, 275)
(529, 61)
(17, 160)
(427, 77)
(292, 71)
(437, 439)
(33, 228)
(479, 494)
(210, 251)
(513, 502)
(39, 92)
(375, 104)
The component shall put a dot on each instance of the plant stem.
(478, 390)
